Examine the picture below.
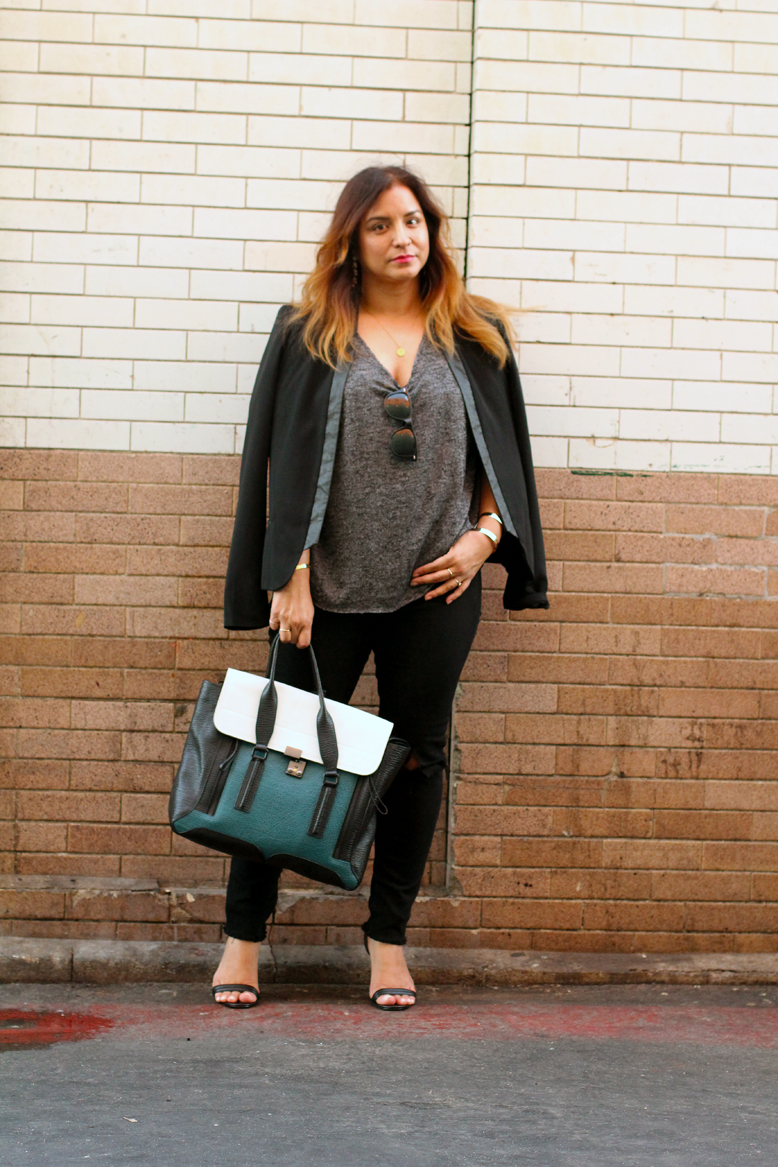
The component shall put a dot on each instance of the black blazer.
(293, 425)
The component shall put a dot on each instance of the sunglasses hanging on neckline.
(403, 441)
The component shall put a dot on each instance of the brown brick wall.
(616, 782)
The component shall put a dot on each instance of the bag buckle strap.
(323, 808)
(251, 778)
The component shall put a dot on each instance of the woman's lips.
(403, 258)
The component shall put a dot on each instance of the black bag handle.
(266, 720)
(268, 707)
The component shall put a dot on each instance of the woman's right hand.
(291, 610)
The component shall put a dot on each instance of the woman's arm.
(486, 510)
(454, 571)
(291, 608)
(245, 602)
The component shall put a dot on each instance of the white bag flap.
(362, 737)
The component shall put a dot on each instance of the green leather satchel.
(283, 776)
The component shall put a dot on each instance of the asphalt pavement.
(597, 1076)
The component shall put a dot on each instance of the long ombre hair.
(329, 304)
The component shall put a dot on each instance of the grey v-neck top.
(386, 516)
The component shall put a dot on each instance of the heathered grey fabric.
(386, 516)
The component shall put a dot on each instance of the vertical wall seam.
(452, 888)
(470, 141)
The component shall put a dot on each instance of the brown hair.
(329, 303)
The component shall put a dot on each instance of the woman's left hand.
(462, 563)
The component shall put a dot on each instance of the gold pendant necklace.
(400, 348)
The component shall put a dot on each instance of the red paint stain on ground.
(27, 1028)
(329, 1021)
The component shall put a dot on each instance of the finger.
(441, 559)
(450, 559)
(421, 577)
(457, 592)
(435, 565)
(453, 568)
(298, 628)
(427, 572)
(447, 581)
(448, 585)
(444, 575)
(439, 573)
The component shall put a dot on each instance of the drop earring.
(354, 271)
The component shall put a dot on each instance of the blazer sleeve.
(526, 589)
(246, 604)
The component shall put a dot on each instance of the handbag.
(277, 774)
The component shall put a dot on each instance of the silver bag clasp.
(297, 765)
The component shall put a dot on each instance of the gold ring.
(450, 572)
(457, 582)
(284, 629)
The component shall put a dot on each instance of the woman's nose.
(401, 235)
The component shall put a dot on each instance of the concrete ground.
(546, 1076)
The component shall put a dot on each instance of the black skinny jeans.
(420, 652)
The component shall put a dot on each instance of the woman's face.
(393, 239)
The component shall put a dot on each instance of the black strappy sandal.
(391, 993)
(237, 989)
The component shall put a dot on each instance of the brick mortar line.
(521, 716)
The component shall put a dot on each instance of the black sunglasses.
(403, 441)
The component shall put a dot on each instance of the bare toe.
(395, 999)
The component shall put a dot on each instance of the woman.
(389, 408)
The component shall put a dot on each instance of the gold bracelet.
(489, 535)
(490, 515)
(301, 567)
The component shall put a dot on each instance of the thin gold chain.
(400, 345)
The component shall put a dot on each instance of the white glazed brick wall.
(624, 176)
(167, 167)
